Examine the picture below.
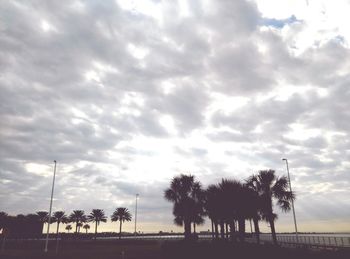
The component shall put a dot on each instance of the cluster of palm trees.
(229, 203)
(77, 217)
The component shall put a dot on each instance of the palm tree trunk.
(120, 230)
(194, 227)
(273, 231)
(227, 234)
(241, 223)
(256, 229)
(58, 226)
(212, 229)
(222, 229)
(232, 230)
(216, 229)
(76, 227)
(95, 229)
(86, 231)
(187, 225)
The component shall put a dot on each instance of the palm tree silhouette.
(43, 217)
(97, 216)
(184, 192)
(79, 226)
(69, 227)
(59, 217)
(256, 205)
(121, 214)
(78, 217)
(211, 206)
(231, 201)
(198, 195)
(271, 187)
(86, 227)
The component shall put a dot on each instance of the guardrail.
(320, 241)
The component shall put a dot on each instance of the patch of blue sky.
(279, 24)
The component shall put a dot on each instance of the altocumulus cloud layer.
(125, 95)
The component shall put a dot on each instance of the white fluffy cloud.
(127, 94)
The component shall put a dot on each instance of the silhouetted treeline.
(229, 203)
(32, 224)
(21, 225)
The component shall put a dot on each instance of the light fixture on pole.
(49, 221)
(290, 188)
(137, 196)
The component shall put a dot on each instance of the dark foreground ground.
(142, 249)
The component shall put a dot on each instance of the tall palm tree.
(198, 195)
(86, 227)
(230, 196)
(43, 217)
(59, 217)
(271, 187)
(97, 216)
(121, 214)
(69, 227)
(78, 217)
(256, 205)
(212, 207)
(182, 193)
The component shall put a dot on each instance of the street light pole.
(137, 196)
(290, 188)
(49, 221)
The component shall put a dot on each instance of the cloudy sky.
(127, 94)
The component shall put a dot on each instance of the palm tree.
(255, 202)
(69, 227)
(271, 187)
(230, 195)
(43, 217)
(121, 214)
(211, 206)
(59, 217)
(198, 195)
(78, 217)
(86, 227)
(183, 192)
(97, 216)
(79, 226)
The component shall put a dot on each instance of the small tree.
(69, 227)
(86, 227)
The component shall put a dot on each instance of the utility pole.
(137, 196)
(49, 221)
(290, 188)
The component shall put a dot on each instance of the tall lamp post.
(137, 196)
(290, 188)
(49, 221)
